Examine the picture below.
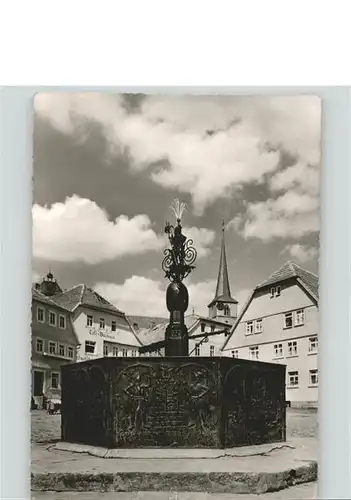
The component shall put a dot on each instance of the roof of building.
(223, 293)
(40, 297)
(82, 295)
(290, 270)
(146, 321)
(149, 336)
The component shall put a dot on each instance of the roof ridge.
(82, 293)
(68, 290)
(292, 267)
(300, 268)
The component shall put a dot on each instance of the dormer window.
(275, 291)
(203, 326)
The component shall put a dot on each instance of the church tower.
(223, 307)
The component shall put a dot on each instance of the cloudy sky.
(107, 167)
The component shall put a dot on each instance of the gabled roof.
(223, 288)
(40, 297)
(290, 270)
(82, 295)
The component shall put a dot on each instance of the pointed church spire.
(223, 293)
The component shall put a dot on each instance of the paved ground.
(302, 492)
(47, 428)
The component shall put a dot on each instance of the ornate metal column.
(177, 264)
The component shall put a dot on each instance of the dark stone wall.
(184, 402)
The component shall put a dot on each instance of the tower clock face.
(219, 306)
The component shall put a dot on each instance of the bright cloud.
(293, 213)
(302, 253)
(152, 296)
(205, 146)
(79, 230)
(289, 216)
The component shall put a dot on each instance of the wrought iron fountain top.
(179, 259)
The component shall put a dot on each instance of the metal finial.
(178, 208)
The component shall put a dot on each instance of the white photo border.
(16, 125)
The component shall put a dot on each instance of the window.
(40, 315)
(249, 327)
(197, 349)
(133, 353)
(212, 328)
(254, 352)
(293, 379)
(62, 321)
(313, 346)
(52, 318)
(275, 291)
(102, 322)
(55, 380)
(90, 346)
(39, 345)
(124, 353)
(278, 350)
(258, 326)
(115, 351)
(105, 350)
(212, 350)
(299, 317)
(62, 350)
(235, 353)
(70, 352)
(203, 327)
(226, 310)
(288, 320)
(52, 347)
(113, 326)
(292, 348)
(313, 377)
(89, 320)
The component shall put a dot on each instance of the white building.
(279, 323)
(101, 328)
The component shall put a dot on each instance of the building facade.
(206, 337)
(101, 328)
(279, 323)
(54, 343)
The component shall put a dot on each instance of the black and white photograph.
(175, 296)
